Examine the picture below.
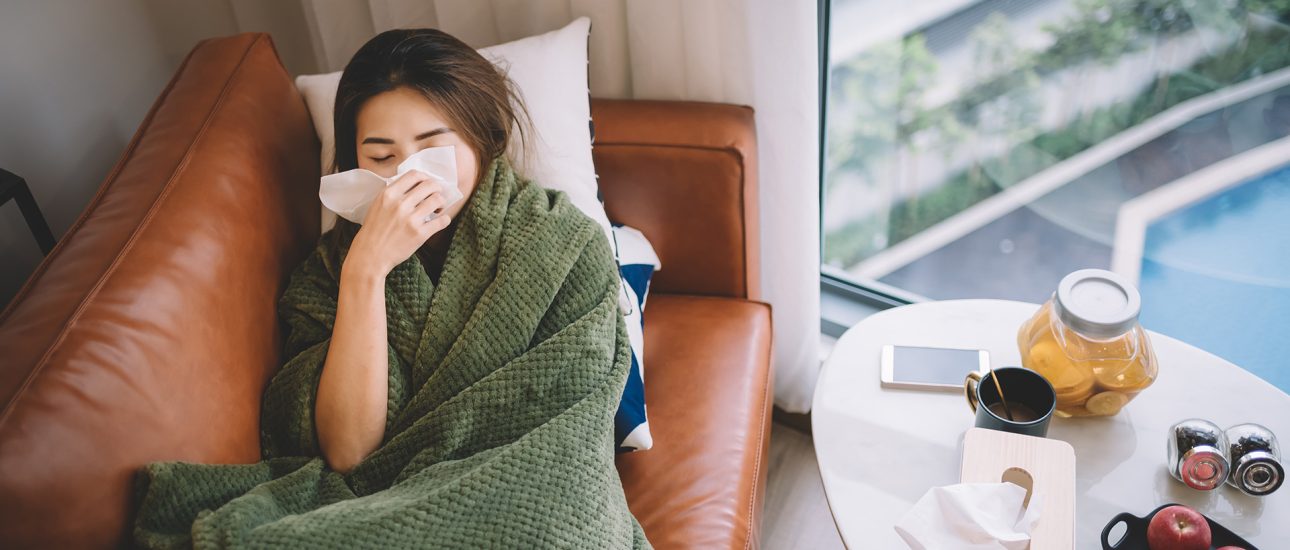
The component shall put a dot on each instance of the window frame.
(844, 300)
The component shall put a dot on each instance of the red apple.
(1178, 528)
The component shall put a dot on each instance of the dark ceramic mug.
(1030, 396)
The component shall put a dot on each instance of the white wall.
(77, 78)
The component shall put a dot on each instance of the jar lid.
(1097, 303)
(1257, 473)
(1203, 468)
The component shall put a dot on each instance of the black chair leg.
(35, 220)
(14, 187)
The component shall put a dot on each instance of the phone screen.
(938, 366)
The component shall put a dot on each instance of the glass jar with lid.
(1087, 342)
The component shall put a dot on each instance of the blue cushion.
(637, 263)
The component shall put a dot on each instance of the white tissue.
(971, 516)
(351, 192)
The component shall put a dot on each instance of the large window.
(987, 148)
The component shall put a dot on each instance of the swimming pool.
(1216, 274)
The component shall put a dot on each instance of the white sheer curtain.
(753, 52)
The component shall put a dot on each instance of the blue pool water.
(1217, 275)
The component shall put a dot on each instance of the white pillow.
(550, 72)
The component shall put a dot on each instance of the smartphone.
(924, 368)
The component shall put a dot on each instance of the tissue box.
(1045, 466)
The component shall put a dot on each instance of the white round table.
(880, 449)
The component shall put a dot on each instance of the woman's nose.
(391, 167)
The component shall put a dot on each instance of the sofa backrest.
(149, 331)
(685, 174)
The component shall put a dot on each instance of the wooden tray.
(1135, 537)
(1044, 466)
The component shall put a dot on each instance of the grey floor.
(796, 513)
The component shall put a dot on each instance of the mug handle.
(969, 388)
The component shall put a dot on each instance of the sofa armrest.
(149, 331)
(685, 174)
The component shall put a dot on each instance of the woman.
(451, 381)
(403, 92)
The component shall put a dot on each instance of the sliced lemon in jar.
(1077, 395)
(1106, 403)
(1049, 361)
(1045, 357)
(1073, 381)
(1130, 376)
(1070, 400)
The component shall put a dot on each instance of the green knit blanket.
(503, 382)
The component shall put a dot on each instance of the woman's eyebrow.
(426, 135)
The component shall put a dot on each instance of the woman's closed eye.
(382, 159)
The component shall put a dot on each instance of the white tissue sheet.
(351, 192)
(971, 516)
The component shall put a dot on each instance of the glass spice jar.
(1256, 459)
(1086, 341)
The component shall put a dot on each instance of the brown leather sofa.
(150, 330)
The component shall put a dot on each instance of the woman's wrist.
(359, 267)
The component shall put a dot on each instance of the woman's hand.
(395, 225)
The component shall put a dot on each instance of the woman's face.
(396, 124)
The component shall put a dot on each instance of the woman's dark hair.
(479, 100)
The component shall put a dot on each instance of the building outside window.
(984, 149)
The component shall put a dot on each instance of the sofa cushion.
(709, 411)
